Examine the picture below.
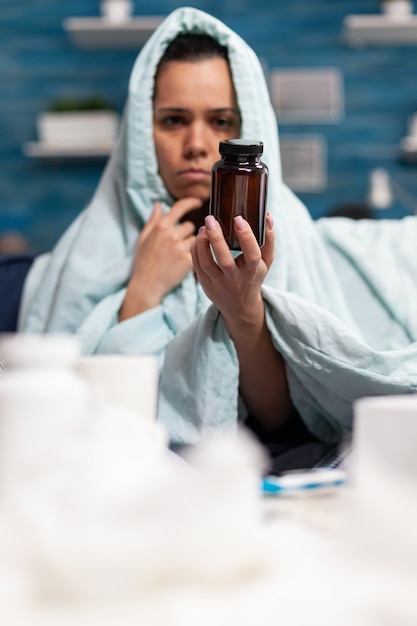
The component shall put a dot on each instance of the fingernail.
(201, 229)
(210, 222)
(270, 221)
(240, 223)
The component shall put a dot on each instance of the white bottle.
(43, 408)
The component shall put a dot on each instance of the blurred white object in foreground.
(43, 409)
(125, 380)
(385, 446)
(97, 529)
(92, 514)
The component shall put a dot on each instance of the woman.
(194, 108)
(220, 338)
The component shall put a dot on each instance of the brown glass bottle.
(239, 187)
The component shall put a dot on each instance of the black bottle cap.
(241, 146)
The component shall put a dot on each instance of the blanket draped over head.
(340, 297)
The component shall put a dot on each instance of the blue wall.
(38, 63)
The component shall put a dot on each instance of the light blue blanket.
(341, 296)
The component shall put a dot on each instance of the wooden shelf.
(41, 150)
(380, 29)
(100, 32)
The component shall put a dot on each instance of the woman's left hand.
(233, 284)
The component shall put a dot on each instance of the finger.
(268, 249)
(196, 250)
(181, 208)
(153, 220)
(248, 244)
(203, 261)
(157, 212)
(218, 243)
(185, 230)
(194, 254)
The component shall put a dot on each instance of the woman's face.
(194, 108)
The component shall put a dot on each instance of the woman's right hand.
(163, 257)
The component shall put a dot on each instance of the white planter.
(78, 129)
(397, 8)
(116, 10)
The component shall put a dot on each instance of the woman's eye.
(222, 123)
(227, 124)
(173, 120)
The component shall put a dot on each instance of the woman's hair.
(191, 47)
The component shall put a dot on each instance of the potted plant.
(78, 123)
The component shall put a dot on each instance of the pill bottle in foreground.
(239, 187)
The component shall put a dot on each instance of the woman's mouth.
(195, 175)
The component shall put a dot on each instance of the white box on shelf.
(101, 32)
(360, 30)
(78, 129)
(307, 95)
(304, 162)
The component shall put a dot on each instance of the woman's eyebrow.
(225, 110)
(172, 109)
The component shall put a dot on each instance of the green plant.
(72, 103)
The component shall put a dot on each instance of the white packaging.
(385, 444)
(43, 403)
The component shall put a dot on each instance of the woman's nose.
(197, 141)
